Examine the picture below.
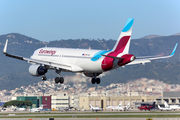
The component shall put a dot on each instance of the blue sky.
(48, 20)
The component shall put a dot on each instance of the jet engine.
(127, 58)
(37, 70)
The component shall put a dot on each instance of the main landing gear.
(59, 79)
(95, 80)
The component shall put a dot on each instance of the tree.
(17, 103)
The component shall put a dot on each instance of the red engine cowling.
(127, 58)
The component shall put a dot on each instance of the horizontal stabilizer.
(113, 57)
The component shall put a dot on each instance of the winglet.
(174, 50)
(5, 47)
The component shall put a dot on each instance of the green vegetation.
(96, 116)
(17, 103)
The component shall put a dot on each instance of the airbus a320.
(90, 62)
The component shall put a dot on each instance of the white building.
(60, 101)
(74, 100)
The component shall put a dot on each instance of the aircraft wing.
(49, 64)
(62, 65)
(146, 59)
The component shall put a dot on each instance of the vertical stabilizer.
(127, 106)
(41, 107)
(90, 106)
(165, 104)
(123, 42)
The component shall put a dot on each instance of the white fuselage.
(96, 109)
(166, 109)
(34, 110)
(119, 107)
(174, 107)
(110, 107)
(84, 60)
(21, 109)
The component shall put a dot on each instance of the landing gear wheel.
(43, 78)
(98, 80)
(93, 80)
(61, 80)
(57, 80)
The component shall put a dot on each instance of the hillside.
(14, 73)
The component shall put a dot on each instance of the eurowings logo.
(51, 52)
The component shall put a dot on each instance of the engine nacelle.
(37, 70)
(92, 74)
(127, 58)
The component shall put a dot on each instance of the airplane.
(147, 107)
(21, 109)
(95, 108)
(173, 107)
(90, 62)
(36, 109)
(164, 108)
(110, 107)
(121, 107)
(127, 106)
(68, 108)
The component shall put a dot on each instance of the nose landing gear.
(44, 78)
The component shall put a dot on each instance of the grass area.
(137, 114)
(97, 116)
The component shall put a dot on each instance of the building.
(60, 101)
(33, 99)
(74, 100)
(171, 97)
(46, 102)
(105, 101)
(40, 100)
(135, 94)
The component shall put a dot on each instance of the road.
(89, 119)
